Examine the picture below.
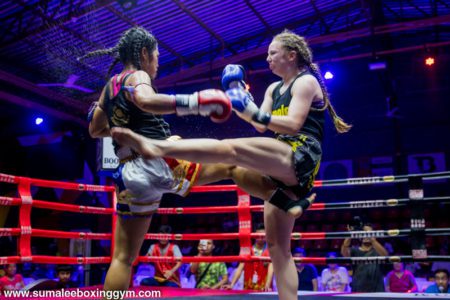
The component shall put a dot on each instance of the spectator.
(166, 273)
(307, 273)
(258, 275)
(439, 265)
(400, 280)
(441, 282)
(366, 277)
(334, 278)
(209, 275)
(64, 273)
(11, 281)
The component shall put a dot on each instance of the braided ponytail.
(109, 51)
(338, 122)
(294, 42)
(113, 51)
(128, 49)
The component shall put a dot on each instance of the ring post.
(245, 224)
(416, 197)
(25, 219)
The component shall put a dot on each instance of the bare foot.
(142, 145)
(297, 210)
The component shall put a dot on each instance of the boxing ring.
(418, 230)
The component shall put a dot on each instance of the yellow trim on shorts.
(193, 179)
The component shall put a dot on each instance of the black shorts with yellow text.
(307, 153)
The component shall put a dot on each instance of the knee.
(233, 172)
(272, 243)
(228, 149)
(276, 250)
(124, 259)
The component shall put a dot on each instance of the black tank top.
(123, 113)
(315, 120)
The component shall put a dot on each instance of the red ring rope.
(243, 209)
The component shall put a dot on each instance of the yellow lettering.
(282, 111)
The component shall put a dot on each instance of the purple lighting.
(39, 121)
(380, 65)
(328, 75)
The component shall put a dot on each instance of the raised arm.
(303, 92)
(345, 248)
(210, 102)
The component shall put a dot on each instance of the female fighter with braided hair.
(293, 109)
(129, 100)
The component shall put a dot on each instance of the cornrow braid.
(131, 44)
(136, 58)
(294, 42)
(128, 49)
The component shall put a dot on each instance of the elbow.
(292, 131)
(92, 132)
(260, 129)
(294, 127)
(96, 133)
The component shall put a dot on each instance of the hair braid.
(294, 42)
(339, 123)
(109, 51)
(128, 49)
(136, 53)
(111, 67)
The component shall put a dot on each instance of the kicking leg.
(254, 183)
(263, 155)
(250, 181)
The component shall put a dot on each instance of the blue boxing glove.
(242, 102)
(233, 77)
(91, 111)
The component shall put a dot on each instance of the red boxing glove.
(213, 103)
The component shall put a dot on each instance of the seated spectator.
(258, 275)
(166, 273)
(400, 280)
(64, 273)
(334, 278)
(307, 273)
(209, 275)
(11, 281)
(441, 282)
